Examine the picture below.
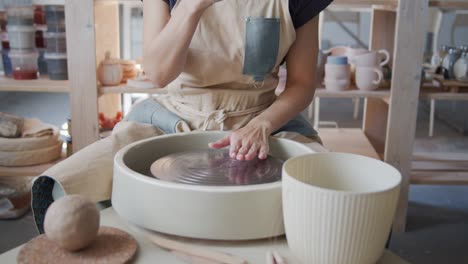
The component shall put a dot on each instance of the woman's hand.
(248, 142)
(167, 36)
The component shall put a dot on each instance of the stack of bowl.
(55, 38)
(22, 42)
(337, 73)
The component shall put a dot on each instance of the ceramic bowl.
(204, 212)
(338, 208)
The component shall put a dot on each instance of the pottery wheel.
(111, 246)
(215, 168)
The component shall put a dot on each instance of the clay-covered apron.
(230, 77)
(232, 66)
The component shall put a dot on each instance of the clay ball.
(72, 222)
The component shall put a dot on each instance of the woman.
(219, 61)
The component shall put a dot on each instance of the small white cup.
(371, 59)
(337, 72)
(368, 78)
(338, 208)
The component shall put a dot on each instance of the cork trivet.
(111, 246)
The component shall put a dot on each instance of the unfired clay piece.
(112, 246)
(72, 222)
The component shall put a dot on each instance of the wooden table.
(254, 251)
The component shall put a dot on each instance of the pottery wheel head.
(215, 168)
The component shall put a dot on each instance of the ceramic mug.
(337, 60)
(345, 51)
(368, 78)
(338, 208)
(372, 59)
(337, 72)
(337, 85)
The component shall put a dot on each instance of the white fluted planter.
(338, 208)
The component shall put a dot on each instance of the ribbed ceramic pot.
(207, 212)
(338, 208)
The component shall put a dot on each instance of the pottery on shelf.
(110, 71)
(449, 62)
(372, 59)
(368, 78)
(460, 69)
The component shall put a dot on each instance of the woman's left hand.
(246, 143)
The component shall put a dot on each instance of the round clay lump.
(72, 222)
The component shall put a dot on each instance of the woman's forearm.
(301, 63)
(165, 54)
(289, 104)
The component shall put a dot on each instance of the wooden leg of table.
(310, 113)
(406, 81)
(356, 102)
(83, 83)
(375, 122)
(316, 113)
(431, 118)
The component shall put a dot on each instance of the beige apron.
(212, 93)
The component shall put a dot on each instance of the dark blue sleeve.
(304, 10)
(171, 3)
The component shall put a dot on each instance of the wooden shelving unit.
(449, 4)
(352, 93)
(390, 115)
(40, 85)
(122, 89)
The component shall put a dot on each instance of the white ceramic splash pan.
(203, 212)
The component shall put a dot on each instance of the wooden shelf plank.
(62, 2)
(439, 177)
(445, 96)
(39, 85)
(449, 4)
(364, 3)
(320, 92)
(440, 166)
(128, 89)
(434, 156)
(29, 171)
(48, 2)
(347, 141)
(352, 93)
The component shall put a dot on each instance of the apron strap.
(219, 116)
